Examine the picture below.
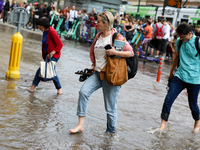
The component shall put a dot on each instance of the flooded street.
(41, 120)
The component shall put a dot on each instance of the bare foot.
(162, 129)
(77, 129)
(32, 88)
(196, 129)
(59, 91)
(196, 126)
(163, 125)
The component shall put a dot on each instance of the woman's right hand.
(93, 67)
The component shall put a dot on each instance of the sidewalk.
(22, 28)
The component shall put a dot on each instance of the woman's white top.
(99, 52)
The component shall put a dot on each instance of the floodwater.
(41, 121)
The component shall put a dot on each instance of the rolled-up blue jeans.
(56, 81)
(177, 85)
(110, 94)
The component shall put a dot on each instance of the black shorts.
(160, 45)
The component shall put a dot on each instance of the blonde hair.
(107, 17)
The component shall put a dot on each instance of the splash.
(155, 130)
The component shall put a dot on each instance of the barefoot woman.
(98, 59)
(51, 44)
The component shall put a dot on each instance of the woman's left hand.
(51, 54)
(111, 52)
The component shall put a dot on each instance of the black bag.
(132, 62)
(129, 35)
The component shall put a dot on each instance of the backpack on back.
(159, 32)
(132, 62)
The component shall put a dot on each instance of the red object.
(54, 43)
(159, 69)
(1, 14)
(93, 24)
(35, 3)
(159, 32)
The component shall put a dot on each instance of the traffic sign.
(19, 16)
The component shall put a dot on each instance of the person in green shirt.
(187, 75)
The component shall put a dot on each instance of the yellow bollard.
(15, 56)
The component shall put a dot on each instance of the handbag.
(115, 71)
(47, 69)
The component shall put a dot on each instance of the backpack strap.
(179, 44)
(179, 48)
(162, 27)
(114, 37)
(156, 26)
(197, 45)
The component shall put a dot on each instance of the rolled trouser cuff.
(165, 116)
(196, 118)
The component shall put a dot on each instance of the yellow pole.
(15, 56)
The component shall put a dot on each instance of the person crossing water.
(187, 75)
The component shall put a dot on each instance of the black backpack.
(132, 62)
(196, 45)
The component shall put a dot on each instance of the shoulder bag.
(115, 71)
(47, 69)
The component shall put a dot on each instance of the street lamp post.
(138, 15)
(165, 4)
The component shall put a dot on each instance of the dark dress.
(129, 33)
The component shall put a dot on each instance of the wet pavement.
(41, 120)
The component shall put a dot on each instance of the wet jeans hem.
(165, 116)
(81, 115)
(107, 131)
(196, 118)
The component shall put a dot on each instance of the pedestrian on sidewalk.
(51, 44)
(5, 11)
(187, 75)
(99, 60)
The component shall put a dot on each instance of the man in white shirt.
(72, 16)
(28, 8)
(166, 36)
